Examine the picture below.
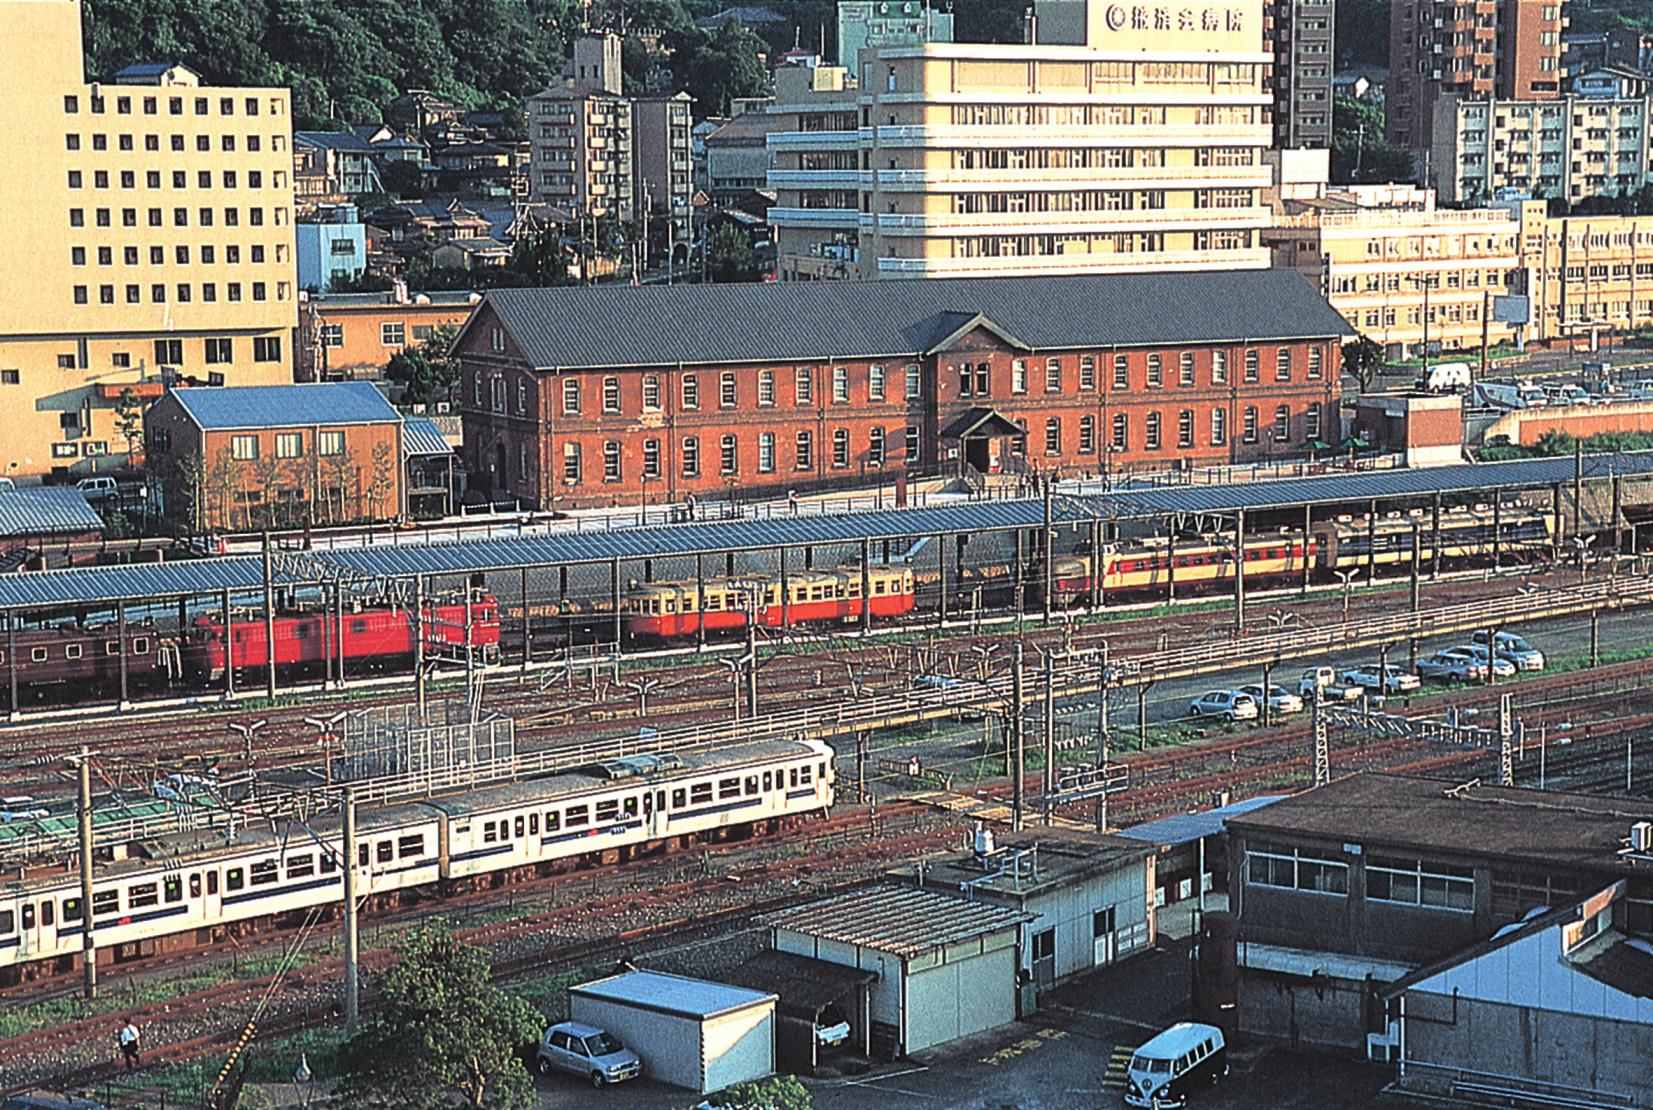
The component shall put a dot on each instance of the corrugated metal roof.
(285, 406)
(672, 994)
(421, 436)
(1365, 485)
(332, 140)
(46, 511)
(580, 326)
(1185, 828)
(902, 921)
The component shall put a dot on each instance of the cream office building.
(1126, 136)
(146, 225)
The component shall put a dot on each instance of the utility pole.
(269, 623)
(352, 997)
(1239, 572)
(1050, 738)
(1050, 577)
(751, 661)
(88, 946)
(1322, 747)
(1102, 734)
(1018, 737)
(1506, 752)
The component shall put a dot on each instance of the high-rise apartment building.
(1468, 49)
(580, 136)
(149, 229)
(1299, 32)
(663, 162)
(1573, 148)
(1124, 137)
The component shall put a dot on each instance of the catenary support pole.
(1046, 544)
(419, 642)
(1239, 572)
(1018, 735)
(88, 943)
(1102, 736)
(269, 622)
(527, 625)
(352, 984)
(1050, 739)
(120, 631)
(229, 649)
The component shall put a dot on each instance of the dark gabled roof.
(333, 140)
(982, 422)
(46, 511)
(658, 325)
(805, 986)
(286, 406)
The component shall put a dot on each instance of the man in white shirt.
(129, 1039)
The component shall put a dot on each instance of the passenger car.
(1514, 648)
(1280, 700)
(1502, 666)
(1230, 705)
(586, 1050)
(831, 1027)
(1392, 680)
(1452, 664)
(1173, 1064)
(1331, 689)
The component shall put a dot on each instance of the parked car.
(581, 1049)
(831, 1027)
(1502, 666)
(1172, 1065)
(1391, 680)
(1516, 649)
(1446, 377)
(98, 488)
(1230, 705)
(1331, 686)
(1453, 665)
(1280, 700)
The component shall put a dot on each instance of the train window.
(8, 922)
(172, 889)
(37, 655)
(768, 781)
(780, 778)
(629, 807)
(72, 651)
(358, 626)
(234, 879)
(106, 902)
(553, 820)
(823, 770)
(577, 816)
(48, 913)
(212, 882)
(407, 846)
(361, 855)
(803, 774)
(71, 910)
(301, 631)
(679, 798)
(794, 776)
(384, 851)
(263, 873)
(533, 824)
(28, 915)
(111, 647)
(751, 784)
(521, 827)
(329, 863)
(195, 885)
(700, 792)
(728, 788)
(608, 810)
(488, 833)
(299, 867)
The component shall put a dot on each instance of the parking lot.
(1057, 1058)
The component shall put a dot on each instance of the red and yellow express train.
(663, 610)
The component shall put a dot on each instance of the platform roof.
(85, 586)
(46, 511)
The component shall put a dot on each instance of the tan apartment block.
(1572, 148)
(1586, 275)
(662, 163)
(150, 227)
(1124, 138)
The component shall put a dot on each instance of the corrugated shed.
(902, 921)
(672, 994)
(421, 436)
(46, 511)
(286, 406)
(660, 325)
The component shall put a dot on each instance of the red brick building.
(582, 396)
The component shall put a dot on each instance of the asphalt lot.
(1056, 1059)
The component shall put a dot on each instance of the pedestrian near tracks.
(130, 1041)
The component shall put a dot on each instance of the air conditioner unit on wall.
(1641, 836)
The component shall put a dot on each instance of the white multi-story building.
(1125, 137)
(1572, 148)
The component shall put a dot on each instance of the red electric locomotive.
(372, 637)
(663, 610)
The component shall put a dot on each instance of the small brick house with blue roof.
(279, 456)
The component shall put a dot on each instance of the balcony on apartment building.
(1249, 258)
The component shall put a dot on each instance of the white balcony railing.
(812, 140)
(1252, 258)
(1062, 223)
(833, 218)
(815, 179)
(1030, 180)
(1148, 135)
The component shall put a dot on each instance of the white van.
(1500, 395)
(1444, 377)
(1184, 1058)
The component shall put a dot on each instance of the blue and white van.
(1184, 1058)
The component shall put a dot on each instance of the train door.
(28, 926)
(654, 814)
(201, 887)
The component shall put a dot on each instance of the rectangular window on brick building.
(726, 395)
(1316, 365)
(243, 448)
(571, 396)
(1053, 375)
(651, 393)
(651, 458)
(1087, 372)
(915, 382)
(1282, 364)
(1121, 372)
(1251, 372)
(840, 448)
(611, 394)
(805, 451)
(1219, 367)
(1018, 375)
(984, 379)
(911, 447)
(967, 380)
(1185, 428)
(611, 460)
(691, 391)
(289, 445)
(691, 456)
(875, 382)
(1053, 436)
(1248, 425)
(1219, 427)
(729, 455)
(804, 385)
(1156, 370)
(1121, 432)
(1185, 368)
(766, 453)
(1311, 423)
(766, 387)
(571, 463)
(1150, 435)
(1087, 435)
(840, 385)
(875, 448)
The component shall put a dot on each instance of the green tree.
(443, 1034)
(1359, 150)
(719, 67)
(129, 418)
(778, 1092)
(540, 258)
(1362, 360)
(404, 180)
(729, 254)
(426, 371)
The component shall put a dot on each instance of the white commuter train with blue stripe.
(185, 889)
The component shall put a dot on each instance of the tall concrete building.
(1300, 33)
(148, 227)
(1573, 148)
(663, 162)
(1123, 138)
(580, 136)
(1468, 49)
